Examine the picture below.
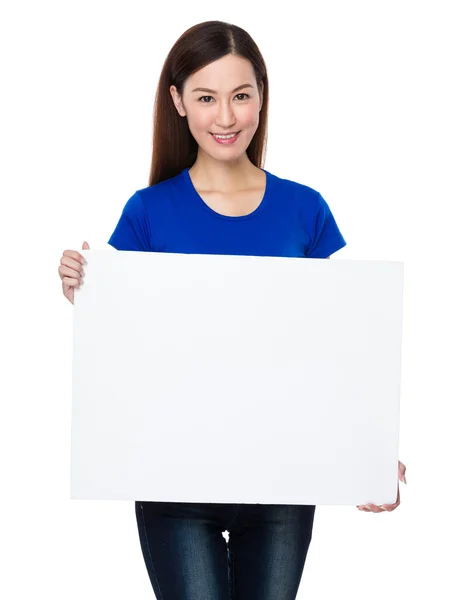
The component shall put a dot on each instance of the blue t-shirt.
(292, 220)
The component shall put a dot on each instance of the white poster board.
(236, 379)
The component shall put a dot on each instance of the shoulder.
(155, 197)
(157, 191)
(296, 189)
(303, 198)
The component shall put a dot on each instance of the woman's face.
(220, 107)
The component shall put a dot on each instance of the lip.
(226, 142)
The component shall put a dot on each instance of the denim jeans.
(187, 557)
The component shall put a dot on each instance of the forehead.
(224, 72)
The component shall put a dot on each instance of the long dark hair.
(174, 147)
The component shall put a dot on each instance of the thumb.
(402, 469)
(85, 246)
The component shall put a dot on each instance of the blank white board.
(236, 379)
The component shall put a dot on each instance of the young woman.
(208, 193)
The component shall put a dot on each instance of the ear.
(177, 101)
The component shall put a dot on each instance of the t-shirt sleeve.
(132, 231)
(325, 237)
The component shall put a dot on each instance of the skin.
(221, 170)
(386, 507)
(71, 271)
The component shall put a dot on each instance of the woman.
(209, 194)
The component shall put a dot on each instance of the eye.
(200, 99)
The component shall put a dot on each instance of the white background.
(360, 110)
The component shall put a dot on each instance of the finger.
(402, 470)
(75, 255)
(64, 271)
(71, 282)
(369, 508)
(74, 266)
(390, 507)
(72, 263)
(85, 246)
(374, 508)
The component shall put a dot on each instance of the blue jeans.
(187, 557)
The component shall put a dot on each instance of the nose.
(225, 115)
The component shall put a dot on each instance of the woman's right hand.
(71, 271)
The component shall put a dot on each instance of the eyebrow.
(245, 85)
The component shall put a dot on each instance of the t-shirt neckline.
(256, 211)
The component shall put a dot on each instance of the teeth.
(224, 137)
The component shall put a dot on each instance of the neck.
(223, 176)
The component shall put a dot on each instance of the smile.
(225, 139)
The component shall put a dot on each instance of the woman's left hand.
(386, 507)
